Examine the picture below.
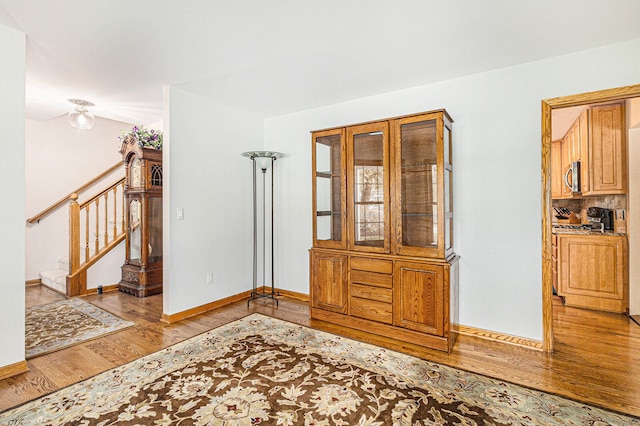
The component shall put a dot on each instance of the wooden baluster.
(97, 239)
(74, 234)
(122, 222)
(115, 212)
(106, 219)
(86, 232)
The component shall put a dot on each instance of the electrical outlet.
(209, 277)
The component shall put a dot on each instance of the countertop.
(570, 231)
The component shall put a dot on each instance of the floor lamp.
(262, 160)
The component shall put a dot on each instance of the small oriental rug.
(260, 370)
(58, 325)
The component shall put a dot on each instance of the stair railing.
(61, 202)
(104, 215)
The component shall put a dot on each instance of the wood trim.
(287, 293)
(179, 316)
(63, 200)
(547, 273)
(105, 288)
(497, 337)
(378, 328)
(170, 319)
(433, 111)
(33, 282)
(13, 370)
(616, 94)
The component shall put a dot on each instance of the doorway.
(548, 105)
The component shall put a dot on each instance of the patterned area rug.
(260, 370)
(58, 325)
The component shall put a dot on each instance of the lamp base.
(255, 295)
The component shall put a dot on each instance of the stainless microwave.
(572, 177)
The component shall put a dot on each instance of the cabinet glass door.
(368, 187)
(329, 181)
(421, 201)
(448, 189)
(155, 229)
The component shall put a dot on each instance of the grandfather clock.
(142, 269)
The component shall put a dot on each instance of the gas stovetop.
(572, 226)
(579, 226)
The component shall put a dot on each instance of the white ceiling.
(272, 57)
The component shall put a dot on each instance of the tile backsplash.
(579, 205)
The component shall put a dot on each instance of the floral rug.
(58, 325)
(260, 370)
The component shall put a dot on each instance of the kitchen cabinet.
(383, 259)
(570, 148)
(608, 150)
(583, 125)
(556, 170)
(597, 140)
(593, 271)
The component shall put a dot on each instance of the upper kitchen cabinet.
(572, 147)
(608, 152)
(556, 169)
(329, 182)
(583, 139)
(591, 157)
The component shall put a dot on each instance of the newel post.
(74, 242)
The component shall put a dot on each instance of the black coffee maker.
(601, 215)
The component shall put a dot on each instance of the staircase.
(96, 226)
(56, 279)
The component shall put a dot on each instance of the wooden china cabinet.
(382, 259)
(142, 269)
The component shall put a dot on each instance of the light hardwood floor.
(597, 356)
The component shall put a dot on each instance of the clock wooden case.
(382, 259)
(142, 269)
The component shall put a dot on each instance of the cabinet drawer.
(372, 310)
(374, 265)
(371, 278)
(372, 293)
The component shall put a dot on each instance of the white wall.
(59, 159)
(497, 189)
(12, 248)
(206, 176)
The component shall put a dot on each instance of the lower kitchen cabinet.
(593, 271)
(411, 300)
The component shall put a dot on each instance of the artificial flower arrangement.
(146, 138)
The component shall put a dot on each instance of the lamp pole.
(264, 160)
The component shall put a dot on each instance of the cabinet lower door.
(419, 297)
(592, 272)
(329, 281)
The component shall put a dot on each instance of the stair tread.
(53, 273)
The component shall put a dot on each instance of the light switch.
(180, 213)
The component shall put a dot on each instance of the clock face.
(136, 173)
